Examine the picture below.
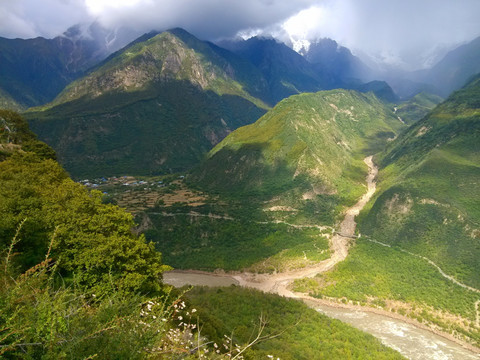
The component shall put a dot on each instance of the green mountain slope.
(277, 187)
(417, 107)
(156, 106)
(315, 141)
(429, 190)
(419, 235)
(7, 102)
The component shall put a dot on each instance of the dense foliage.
(157, 106)
(210, 243)
(428, 195)
(294, 330)
(89, 240)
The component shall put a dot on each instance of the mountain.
(451, 73)
(286, 71)
(156, 106)
(325, 65)
(415, 108)
(335, 62)
(314, 143)
(34, 71)
(429, 189)
(7, 102)
(381, 89)
(456, 68)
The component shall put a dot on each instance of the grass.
(188, 242)
(377, 275)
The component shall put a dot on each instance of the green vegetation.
(316, 140)
(426, 206)
(168, 130)
(300, 164)
(298, 332)
(155, 107)
(417, 107)
(190, 242)
(89, 241)
(428, 195)
(374, 274)
(76, 283)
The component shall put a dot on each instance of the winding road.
(339, 245)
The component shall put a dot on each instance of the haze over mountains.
(247, 75)
(34, 71)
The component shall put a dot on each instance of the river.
(412, 342)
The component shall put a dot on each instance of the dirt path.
(478, 313)
(339, 245)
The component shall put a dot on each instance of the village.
(138, 194)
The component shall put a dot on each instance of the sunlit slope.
(417, 107)
(313, 141)
(156, 106)
(429, 195)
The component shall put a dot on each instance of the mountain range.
(161, 103)
(34, 71)
(169, 91)
(271, 143)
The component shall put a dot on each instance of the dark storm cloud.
(404, 32)
(208, 19)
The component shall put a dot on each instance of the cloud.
(207, 19)
(405, 32)
(408, 32)
(32, 18)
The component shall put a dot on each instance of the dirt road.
(339, 245)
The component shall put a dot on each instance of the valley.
(248, 194)
(365, 318)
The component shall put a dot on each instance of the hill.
(156, 106)
(275, 189)
(430, 173)
(418, 253)
(415, 108)
(319, 139)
